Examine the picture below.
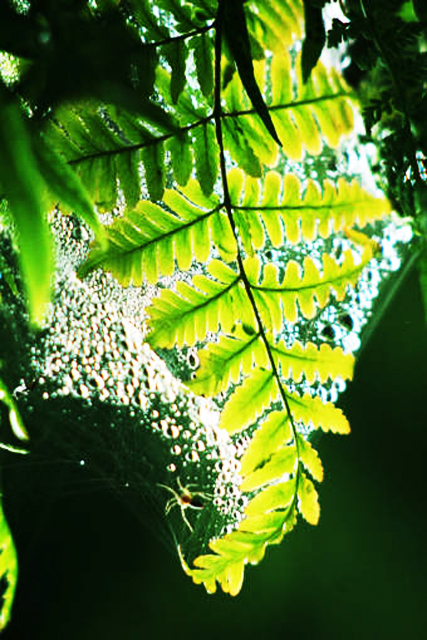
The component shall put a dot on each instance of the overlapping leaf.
(236, 35)
(305, 117)
(272, 465)
(183, 18)
(107, 146)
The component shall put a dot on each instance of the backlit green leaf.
(206, 155)
(308, 500)
(24, 188)
(237, 36)
(204, 62)
(153, 159)
(249, 401)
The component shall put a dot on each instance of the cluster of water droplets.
(343, 323)
(93, 350)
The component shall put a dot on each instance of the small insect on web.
(185, 499)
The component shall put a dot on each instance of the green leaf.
(206, 156)
(275, 25)
(269, 437)
(153, 159)
(310, 459)
(127, 167)
(64, 185)
(148, 241)
(24, 189)
(308, 500)
(15, 420)
(176, 54)
(237, 37)
(312, 361)
(287, 209)
(278, 496)
(281, 463)
(315, 38)
(407, 12)
(278, 299)
(304, 115)
(181, 157)
(237, 143)
(8, 570)
(223, 362)
(103, 143)
(186, 316)
(203, 58)
(249, 401)
(312, 411)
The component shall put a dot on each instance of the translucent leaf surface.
(24, 188)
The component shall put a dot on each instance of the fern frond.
(249, 400)
(188, 315)
(313, 362)
(278, 204)
(275, 25)
(106, 146)
(280, 300)
(225, 361)
(104, 154)
(147, 241)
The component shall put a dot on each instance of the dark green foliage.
(60, 67)
(315, 36)
(389, 68)
(233, 24)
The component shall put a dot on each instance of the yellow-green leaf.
(24, 188)
(249, 401)
(308, 500)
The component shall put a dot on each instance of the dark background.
(89, 569)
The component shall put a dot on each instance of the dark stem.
(229, 210)
(182, 36)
